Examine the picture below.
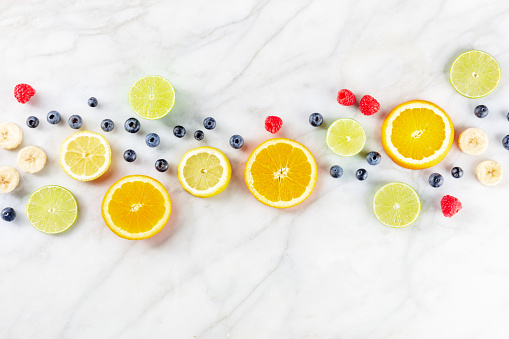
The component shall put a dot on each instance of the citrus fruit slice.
(281, 173)
(85, 156)
(474, 74)
(417, 134)
(346, 137)
(136, 207)
(204, 171)
(52, 209)
(152, 97)
(396, 205)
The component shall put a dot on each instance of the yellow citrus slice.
(204, 171)
(85, 156)
(281, 173)
(136, 207)
(417, 134)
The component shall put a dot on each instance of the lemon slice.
(346, 137)
(204, 171)
(396, 205)
(85, 156)
(474, 74)
(152, 97)
(52, 209)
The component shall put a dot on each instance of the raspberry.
(346, 98)
(450, 205)
(369, 105)
(273, 124)
(23, 93)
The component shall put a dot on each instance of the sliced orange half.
(417, 134)
(281, 173)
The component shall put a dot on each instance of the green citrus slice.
(152, 97)
(396, 205)
(52, 209)
(346, 137)
(474, 74)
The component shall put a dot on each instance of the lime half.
(52, 209)
(475, 74)
(396, 205)
(346, 137)
(152, 97)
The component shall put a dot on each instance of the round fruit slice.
(85, 156)
(346, 137)
(474, 74)
(52, 209)
(396, 205)
(152, 97)
(136, 207)
(281, 173)
(204, 171)
(417, 134)
(10, 135)
(489, 173)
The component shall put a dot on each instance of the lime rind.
(397, 205)
(152, 97)
(346, 137)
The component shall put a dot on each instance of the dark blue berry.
(481, 111)
(198, 135)
(505, 142)
(179, 131)
(75, 121)
(436, 180)
(361, 174)
(32, 122)
(236, 141)
(373, 158)
(209, 123)
(336, 171)
(107, 125)
(161, 165)
(132, 125)
(129, 155)
(152, 140)
(53, 117)
(8, 214)
(315, 119)
(456, 172)
(507, 116)
(92, 102)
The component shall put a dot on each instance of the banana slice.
(489, 172)
(9, 179)
(10, 135)
(31, 159)
(473, 141)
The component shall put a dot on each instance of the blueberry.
(179, 131)
(32, 122)
(505, 142)
(129, 155)
(198, 135)
(107, 125)
(152, 140)
(8, 214)
(436, 180)
(373, 158)
(92, 102)
(315, 119)
(481, 111)
(456, 172)
(161, 165)
(75, 121)
(336, 171)
(236, 141)
(132, 125)
(361, 174)
(507, 116)
(209, 123)
(53, 117)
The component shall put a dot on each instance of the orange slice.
(417, 134)
(136, 207)
(281, 173)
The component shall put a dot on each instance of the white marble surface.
(228, 266)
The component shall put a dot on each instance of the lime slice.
(52, 209)
(396, 205)
(152, 97)
(474, 74)
(346, 137)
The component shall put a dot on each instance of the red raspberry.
(369, 105)
(450, 205)
(23, 93)
(273, 124)
(346, 98)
